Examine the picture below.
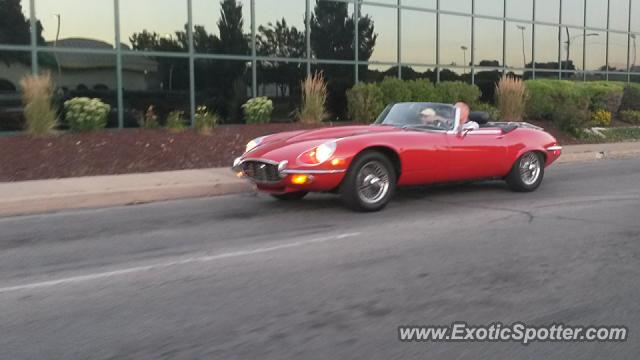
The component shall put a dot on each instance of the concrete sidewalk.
(28, 197)
(37, 196)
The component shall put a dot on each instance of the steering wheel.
(439, 124)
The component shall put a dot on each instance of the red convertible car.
(409, 144)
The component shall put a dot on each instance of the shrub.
(601, 118)
(542, 95)
(494, 113)
(630, 116)
(451, 92)
(149, 120)
(364, 102)
(258, 110)
(41, 117)
(84, 114)
(571, 113)
(421, 90)
(205, 120)
(602, 95)
(175, 121)
(630, 98)
(394, 90)
(314, 99)
(511, 97)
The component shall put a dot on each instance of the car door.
(474, 154)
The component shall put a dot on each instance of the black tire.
(291, 196)
(526, 181)
(383, 182)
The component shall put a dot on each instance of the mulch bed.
(136, 150)
(125, 151)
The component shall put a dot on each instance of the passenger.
(465, 123)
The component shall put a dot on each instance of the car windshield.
(430, 116)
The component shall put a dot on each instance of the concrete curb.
(39, 196)
(590, 152)
(32, 197)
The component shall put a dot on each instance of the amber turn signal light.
(300, 179)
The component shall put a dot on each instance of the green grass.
(612, 135)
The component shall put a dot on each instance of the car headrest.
(480, 117)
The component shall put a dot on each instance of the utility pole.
(524, 56)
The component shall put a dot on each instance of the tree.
(281, 41)
(14, 29)
(221, 81)
(332, 37)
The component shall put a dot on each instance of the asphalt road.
(245, 277)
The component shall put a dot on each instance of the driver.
(429, 116)
(465, 123)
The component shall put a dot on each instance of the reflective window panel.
(520, 9)
(548, 11)
(546, 46)
(14, 27)
(280, 28)
(339, 78)
(488, 43)
(377, 73)
(518, 46)
(154, 25)
(455, 74)
(573, 12)
(418, 37)
(635, 14)
(77, 23)
(634, 53)
(158, 82)
(572, 40)
(207, 15)
(384, 21)
(423, 4)
(597, 13)
(455, 40)
(13, 66)
(419, 72)
(280, 82)
(80, 74)
(332, 31)
(461, 6)
(223, 86)
(486, 80)
(619, 15)
(490, 7)
(596, 51)
(617, 52)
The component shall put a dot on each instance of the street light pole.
(635, 52)
(570, 38)
(55, 44)
(524, 56)
(464, 54)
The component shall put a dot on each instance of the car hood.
(282, 146)
(337, 132)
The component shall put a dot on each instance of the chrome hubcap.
(530, 169)
(373, 182)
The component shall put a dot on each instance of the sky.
(94, 19)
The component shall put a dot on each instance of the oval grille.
(261, 171)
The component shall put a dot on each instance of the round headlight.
(325, 151)
(253, 143)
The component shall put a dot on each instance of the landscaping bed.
(126, 151)
(110, 152)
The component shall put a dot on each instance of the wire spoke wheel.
(530, 169)
(373, 182)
